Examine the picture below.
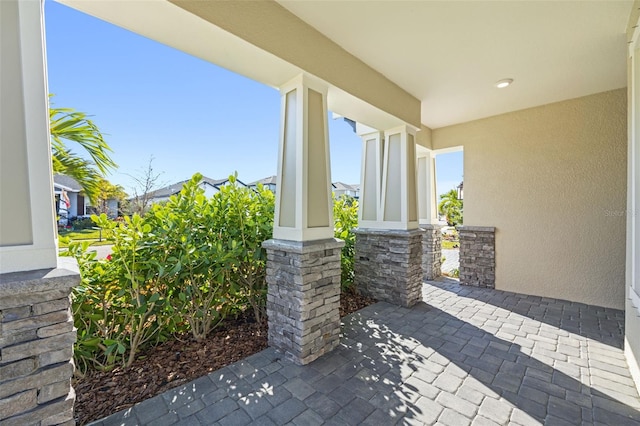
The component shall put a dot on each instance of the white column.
(427, 197)
(399, 206)
(27, 221)
(304, 208)
(388, 192)
(369, 214)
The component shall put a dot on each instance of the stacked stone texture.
(388, 265)
(36, 346)
(303, 299)
(431, 251)
(477, 256)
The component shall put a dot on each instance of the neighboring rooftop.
(271, 180)
(69, 183)
(175, 188)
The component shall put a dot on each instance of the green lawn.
(92, 235)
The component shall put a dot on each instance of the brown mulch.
(176, 362)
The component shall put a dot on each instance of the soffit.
(449, 54)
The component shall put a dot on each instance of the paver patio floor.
(464, 356)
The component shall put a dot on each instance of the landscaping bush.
(182, 268)
(245, 220)
(345, 217)
(82, 223)
(118, 307)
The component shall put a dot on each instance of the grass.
(446, 244)
(92, 235)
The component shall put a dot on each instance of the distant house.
(210, 187)
(268, 182)
(70, 201)
(338, 188)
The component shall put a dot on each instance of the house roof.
(69, 183)
(271, 180)
(343, 186)
(175, 188)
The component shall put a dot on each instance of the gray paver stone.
(323, 405)
(451, 417)
(308, 418)
(457, 404)
(215, 412)
(150, 409)
(255, 405)
(299, 388)
(190, 408)
(496, 410)
(425, 410)
(237, 418)
(286, 411)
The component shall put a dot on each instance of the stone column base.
(303, 300)
(477, 256)
(388, 265)
(431, 252)
(36, 346)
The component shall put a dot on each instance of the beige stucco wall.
(552, 180)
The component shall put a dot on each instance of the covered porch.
(551, 213)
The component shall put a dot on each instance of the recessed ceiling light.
(506, 82)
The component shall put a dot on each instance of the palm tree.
(451, 207)
(74, 126)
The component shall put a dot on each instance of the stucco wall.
(552, 180)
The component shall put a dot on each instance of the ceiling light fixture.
(506, 82)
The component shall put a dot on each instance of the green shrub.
(118, 307)
(182, 268)
(191, 259)
(345, 216)
(82, 223)
(244, 218)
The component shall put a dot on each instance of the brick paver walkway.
(466, 356)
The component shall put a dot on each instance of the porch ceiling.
(389, 62)
(450, 54)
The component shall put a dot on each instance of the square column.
(431, 251)
(304, 208)
(477, 256)
(427, 197)
(388, 265)
(27, 219)
(303, 300)
(303, 258)
(36, 327)
(36, 346)
(428, 215)
(388, 261)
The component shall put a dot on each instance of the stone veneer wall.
(477, 256)
(431, 251)
(303, 300)
(388, 265)
(36, 346)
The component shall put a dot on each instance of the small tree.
(146, 183)
(451, 207)
(108, 191)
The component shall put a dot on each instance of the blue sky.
(190, 115)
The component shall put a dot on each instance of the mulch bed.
(176, 362)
